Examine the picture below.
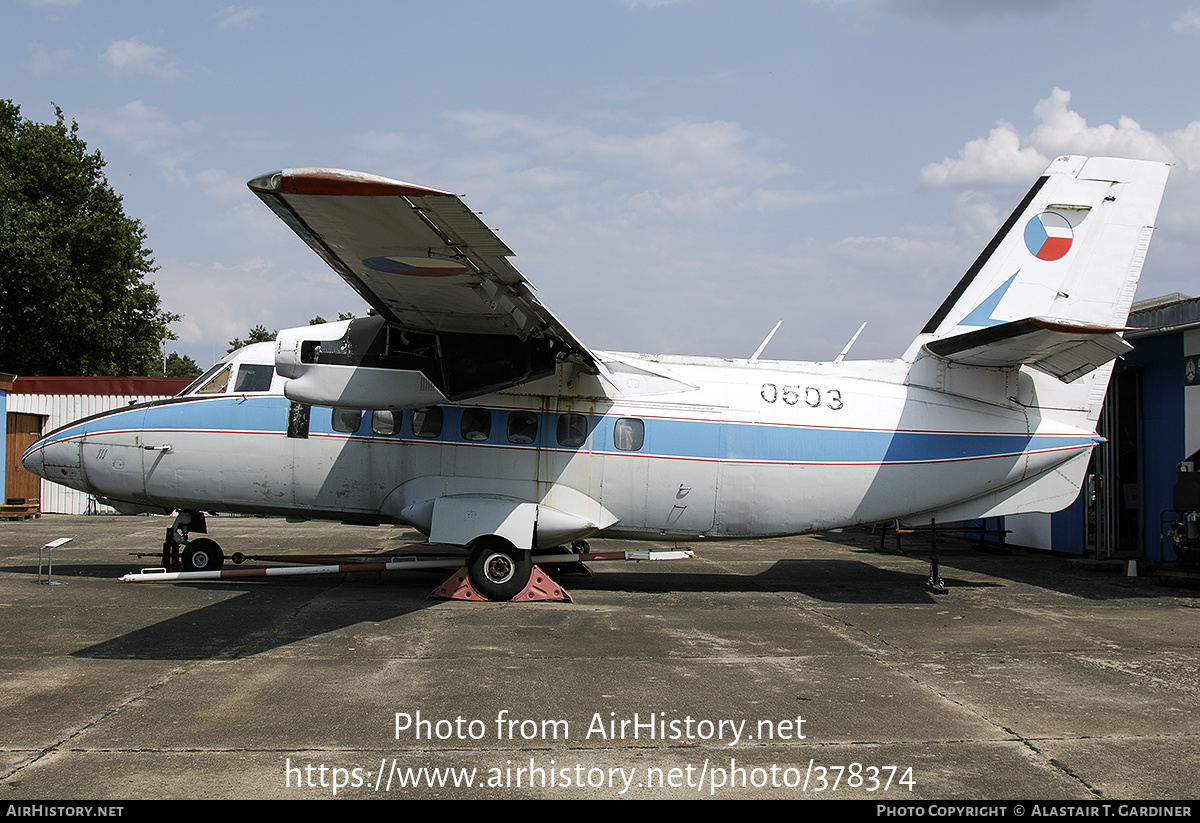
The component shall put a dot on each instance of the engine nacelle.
(348, 365)
(360, 387)
(454, 365)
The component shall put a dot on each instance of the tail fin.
(1067, 259)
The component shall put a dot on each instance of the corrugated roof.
(1165, 312)
(131, 386)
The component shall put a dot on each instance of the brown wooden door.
(23, 431)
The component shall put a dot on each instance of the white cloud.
(1006, 156)
(651, 4)
(232, 17)
(997, 158)
(143, 128)
(221, 186)
(44, 61)
(132, 56)
(684, 235)
(1189, 21)
(148, 131)
(253, 264)
(392, 150)
(953, 10)
(679, 154)
(1063, 131)
(258, 141)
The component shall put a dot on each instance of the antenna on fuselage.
(759, 350)
(842, 356)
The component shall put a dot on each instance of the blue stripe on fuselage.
(671, 438)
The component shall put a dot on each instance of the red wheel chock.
(540, 587)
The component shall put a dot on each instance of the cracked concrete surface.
(1032, 678)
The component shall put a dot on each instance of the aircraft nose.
(31, 460)
(53, 459)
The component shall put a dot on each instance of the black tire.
(202, 555)
(498, 570)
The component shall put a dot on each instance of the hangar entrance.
(1114, 485)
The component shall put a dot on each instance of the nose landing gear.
(182, 554)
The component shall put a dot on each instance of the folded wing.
(424, 262)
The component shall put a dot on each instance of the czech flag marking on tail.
(1048, 236)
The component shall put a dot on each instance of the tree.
(318, 320)
(258, 334)
(180, 366)
(73, 294)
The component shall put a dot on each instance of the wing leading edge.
(429, 266)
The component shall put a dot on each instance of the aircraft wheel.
(202, 555)
(498, 570)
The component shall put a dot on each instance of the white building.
(57, 401)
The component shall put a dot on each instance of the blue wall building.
(1151, 420)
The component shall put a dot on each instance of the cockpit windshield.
(238, 378)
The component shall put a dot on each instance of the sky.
(674, 176)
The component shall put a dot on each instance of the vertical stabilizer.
(1071, 252)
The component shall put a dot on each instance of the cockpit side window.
(254, 377)
(201, 380)
(218, 383)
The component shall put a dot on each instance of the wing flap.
(1062, 348)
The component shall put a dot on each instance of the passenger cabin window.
(427, 422)
(629, 434)
(476, 424)
(386, 422)
(218, 383)
(347, 420)
(572, 430)
(253, 377)
(522, 427)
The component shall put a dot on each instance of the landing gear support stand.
(934, 584)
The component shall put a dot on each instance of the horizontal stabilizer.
(1062, 348)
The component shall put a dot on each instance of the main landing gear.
(182, 554)
(498, 570)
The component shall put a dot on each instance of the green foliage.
(318, 320)
(73, 296)
(258, 334)
(181, 366)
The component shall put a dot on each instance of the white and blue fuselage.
(742, 450)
